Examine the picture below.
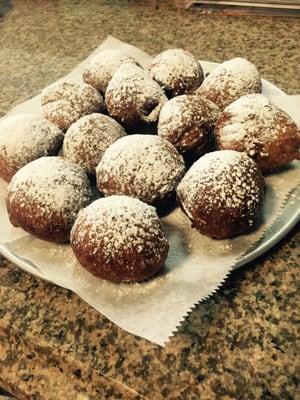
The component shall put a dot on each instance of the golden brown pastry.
(143, 166)
(229, 81)
(65, 102)
(120, 239)
(24, 138)
(87, 139)
(133, 98)
(177, 71)
(188, 122)
(45, 196)
(222, 194)
(255, 125)
(101, 68)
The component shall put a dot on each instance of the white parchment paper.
(196, 265)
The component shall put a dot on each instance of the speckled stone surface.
(242, 343)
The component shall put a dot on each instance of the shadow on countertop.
(5, 7)
(5, 396)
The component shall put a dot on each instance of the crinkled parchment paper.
(196, 265)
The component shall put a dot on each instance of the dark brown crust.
(92, 76)
(223, 89)
(268, 155)
(122, 179)
(221, 225)
(8, 167)
(221, 222)
(65, 102)
(130, 116)
(35, 218)
(180, 84)
(112, 187)
(192, 136)
(224, 98)
(130, 266)
(89, 78)
(193, 155)
(55, 229)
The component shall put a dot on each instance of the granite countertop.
(239, 344)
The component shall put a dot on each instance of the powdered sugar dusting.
(102, 67)
(231, 80)
(26, 137)
(179, 111)
(133, 91)
(184, 116)
(252, 122)
(51, 185)
(65, 102)
(222, 179)
(177, 70)
(144, 166)
(87, 139)
(118, 224)
(214, 110)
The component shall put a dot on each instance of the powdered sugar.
(179, 111)
(87, 139)
(252, 124)
(143, 166)
(52, 186)
(102, 67)
(186, 120)
(231, 80)
(214, 110)
(177, 71)
(133, 96)
(221, 180)
(65, 102)
(118, 224)
(26, 137)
